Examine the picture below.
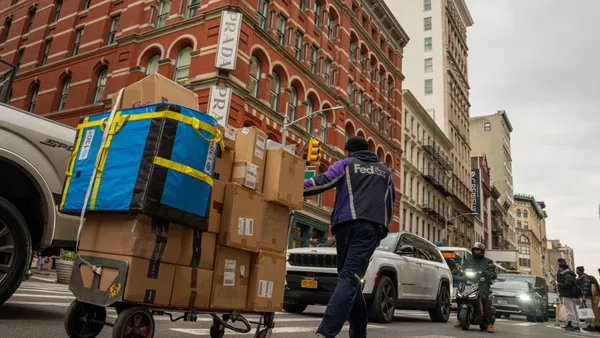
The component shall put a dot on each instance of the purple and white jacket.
(364, 190)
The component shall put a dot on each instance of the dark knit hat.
(356, 143)
(561, 260)
(580, 269)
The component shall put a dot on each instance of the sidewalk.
(48, 276)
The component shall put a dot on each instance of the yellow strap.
(184, 169)
(71, 165)
(101, 160)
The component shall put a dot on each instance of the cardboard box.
(267, 282)
(229, 136)
(217, 196)
(191, 287)
(224, 165)
(275, 227)
(284, 178)
(241, 226)
(251, 146)
(131, 235)
(246, 174)
(153, 89)
(147, 281)
(197, 249)
(230, 279)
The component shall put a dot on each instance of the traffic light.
(313, 155)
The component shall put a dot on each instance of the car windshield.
(454, 257)
(514, 285)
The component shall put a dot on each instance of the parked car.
(553, 302)
(518, 297)
(539, 284)
(406, 272)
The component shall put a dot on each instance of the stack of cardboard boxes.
(239, 263)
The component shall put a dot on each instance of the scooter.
(468, 299)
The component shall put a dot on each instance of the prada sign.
(218, 104)
(229, 37)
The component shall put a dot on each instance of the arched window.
(362, 60)
(182, 64)
(30, 21)
(32, 100)
(309, 110)
(525, 214)
(349, 132)
(100, 85)
(518, 212)
(331, 27)
(318, 12)
(152, 65)
(64, 93)
(323, 127)
(254, 80)
(275, 88)
(293, 105)
(523, 239)
(352, 49)
(372, 70)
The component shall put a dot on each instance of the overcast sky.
(540, 61)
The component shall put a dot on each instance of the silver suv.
(406, 272)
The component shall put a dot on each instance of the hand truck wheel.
(135, 322)
(84, 320)
(217, 330)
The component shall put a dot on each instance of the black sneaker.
(590, 329)
(570, 328)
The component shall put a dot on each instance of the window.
(352, 50)
(57, 9)
(404, 213)
(523, 239)
(362, 61)
(20, 57)
(487, 126)
(428, 86)
(302, 5)
(518, 212)
(428, 65)
(519, 224)
(370, 111)
(112, 32)
(373, 71)
(34, 94)
(323, 127)
(100, 85)
(281, 24)
(360, 101)
(318, 10)
(64, 93)
(86, 4)
(293, 105)
(417, 228)
(526, 225)
(428, 44)
(164, 8)
(275, 87)
(418, 190)
(525, 214)
(182, 64)
(381, 82)
(427, 5)
(524, 249)
(152, 66)
(30, 22)
(331, 27)
(314, 51)
(298, 45)
(309, 110)
(254, 80)
(192, 8)
(327, 72)
(427, 23)
(411, 189)
(262, 12)
(47, 46)
(525, 262)
(77, 42)
(6, 31)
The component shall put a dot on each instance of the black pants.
(489, 310)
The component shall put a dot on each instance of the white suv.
(406, 272)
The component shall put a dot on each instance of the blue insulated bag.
(157, 160)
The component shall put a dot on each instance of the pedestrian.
(363, 209)
(585, 283)
(40, 262)
(568, 290)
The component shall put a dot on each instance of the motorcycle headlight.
(473, 295)
(525, 297)
(470, 274)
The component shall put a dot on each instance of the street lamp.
(446, 220)
(287, 124)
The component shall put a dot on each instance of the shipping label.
(230, 134)
(87, 144)
(265, 289)
(245, 226)
(259, 148)
(251, 176)
(229, 275)
(210, 158)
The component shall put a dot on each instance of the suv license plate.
(309, 284)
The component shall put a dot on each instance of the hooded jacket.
(364, 190)
(585, 282)
(566, 284)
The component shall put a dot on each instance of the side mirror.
(407, 250)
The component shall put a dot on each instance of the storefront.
(307, 231)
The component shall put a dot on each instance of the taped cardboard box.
(191, 287)
(241, 225)
(131, 235)
(230, 279)
(267, 282)
(197, 249)
(275, 227)
(147, 281)
(247, 175)
(153, 89)
(284, 178)
(251, 146)
(224, 165)
(229, 136)
(216, 206)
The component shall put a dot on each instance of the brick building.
(294, 57)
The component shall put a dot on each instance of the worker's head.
(580, 270)
(356, 143)
(478, 250)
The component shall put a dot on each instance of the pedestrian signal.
(314, 152)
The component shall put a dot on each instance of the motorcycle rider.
(488, 273)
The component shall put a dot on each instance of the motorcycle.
(469, 303)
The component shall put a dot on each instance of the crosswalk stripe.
(42, 296)
(46, 291)
(17, 302)
(299, 329)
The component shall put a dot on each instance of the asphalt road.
(38, 307)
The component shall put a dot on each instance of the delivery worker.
(364, 203)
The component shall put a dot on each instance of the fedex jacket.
(364, 190)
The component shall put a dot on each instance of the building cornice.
(531, 200)
(465, 14)
(425, 118)
(506, 120)
(386, 19)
